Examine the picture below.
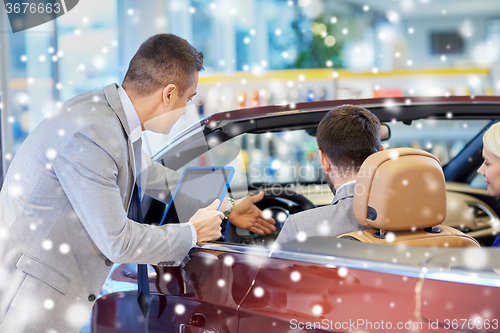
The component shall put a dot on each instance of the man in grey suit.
(346, 136)
(64, 202)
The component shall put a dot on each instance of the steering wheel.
(278, 203)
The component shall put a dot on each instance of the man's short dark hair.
(161, 60)
(347, 135)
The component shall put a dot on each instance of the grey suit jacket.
(63, 216)
(333, 220)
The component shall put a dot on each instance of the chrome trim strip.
(423, 270)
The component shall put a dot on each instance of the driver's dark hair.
(347, 135)
(161, 60)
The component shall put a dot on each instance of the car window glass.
(271, 158)
(444, 138)
(292, 156)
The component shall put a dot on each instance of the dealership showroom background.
(258, 53)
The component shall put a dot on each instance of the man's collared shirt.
(351, 182)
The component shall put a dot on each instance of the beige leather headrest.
(400, 189)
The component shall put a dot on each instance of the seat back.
(401, 195)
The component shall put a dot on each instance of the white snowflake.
(487, 313)
(267, 213)
(324, 228)
(281, 217)
(180, 309)
(342, 272)
(390, 237)
(15, 191)
(3, 233)
(47, 245)
(221, 283)
(167, 277)
(295, 276)
(229, 261)
(64, 248)
(475, 258)
(51, 154)
(77, 314)
(393, 155)
(48, 304)
(258, 292)
(301, 236)
(317, 310)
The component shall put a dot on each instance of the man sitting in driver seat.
(346, 136)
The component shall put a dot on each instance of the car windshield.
(291, 157)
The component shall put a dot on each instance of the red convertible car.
(245, 283)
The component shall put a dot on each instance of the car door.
(319, 293)
(460, 291)
(202, 295)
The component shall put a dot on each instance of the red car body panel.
(253, 294)
(211, 285)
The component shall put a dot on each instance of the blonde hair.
(491, 139)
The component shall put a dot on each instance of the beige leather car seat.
(400, 195)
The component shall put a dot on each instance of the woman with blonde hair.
(490, 168)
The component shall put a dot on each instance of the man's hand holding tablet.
(204, 184)
(207, 222)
